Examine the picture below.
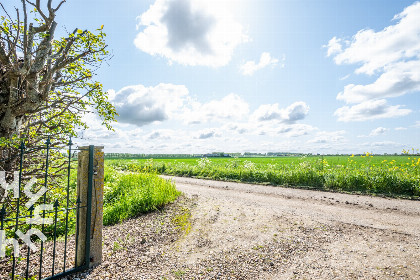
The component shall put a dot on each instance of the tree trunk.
(9, 121)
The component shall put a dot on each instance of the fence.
(62, 237)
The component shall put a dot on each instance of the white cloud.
(378, 131)
(160, 134)
(369, 110)
(230, 107)
(207, 133)
(250, 67)
(270, 120)
(376, 50)
(276, 129)
(133, 133)
(297, 130)
(345, 77)
(334, 46)
(324, 137)
(190, 32)
(294, 112)
(400, 128)
(398, 79)
(392, 53)
(97, 131)
(140, 105)
(239, 128)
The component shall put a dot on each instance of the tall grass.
(129, 194)
(388, 175)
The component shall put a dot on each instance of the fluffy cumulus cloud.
(230, 107)
(399, 79)
(392, 53)
(190, 32)
(370, 110)
(377, 50)
(148, 117)
(269, 112)
(140, 105)
(250, 67)
(378, 131)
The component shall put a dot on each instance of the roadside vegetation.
(127, 195)
(385, 175)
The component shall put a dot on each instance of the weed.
(182, 221)
(179, 273)
(117, 246)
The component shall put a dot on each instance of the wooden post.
(95, 256)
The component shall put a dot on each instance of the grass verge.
(129, 194)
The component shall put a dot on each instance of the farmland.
(373, 174)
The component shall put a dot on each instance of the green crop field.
(387, 175)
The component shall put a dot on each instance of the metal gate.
(40, 224)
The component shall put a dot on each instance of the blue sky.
(194, 76)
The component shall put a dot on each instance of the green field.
(387, 175)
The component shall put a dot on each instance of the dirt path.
(397, 215)
(242, 231)
(302, 233)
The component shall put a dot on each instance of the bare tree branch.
(59, 5)
(25, 32)
(17, 37)
(5, 11)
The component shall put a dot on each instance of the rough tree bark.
(26, 81)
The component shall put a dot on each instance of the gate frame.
(80, 232)
(86, 264)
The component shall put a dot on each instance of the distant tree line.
(214, 154)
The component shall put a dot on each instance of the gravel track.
(243, 231)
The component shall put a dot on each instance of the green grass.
(387, 175)
(129, 194)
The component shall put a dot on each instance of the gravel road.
(243, 231)
(301, 234)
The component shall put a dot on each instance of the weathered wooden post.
(90, 170)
